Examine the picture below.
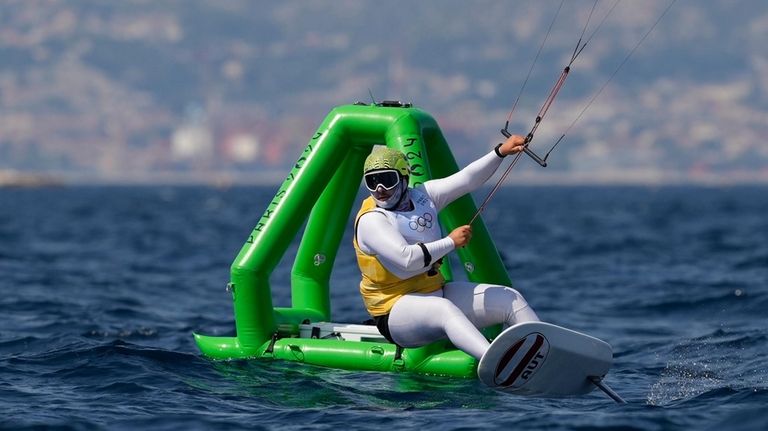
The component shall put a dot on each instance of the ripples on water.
(102, 288)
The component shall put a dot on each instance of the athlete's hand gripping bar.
(534, 156)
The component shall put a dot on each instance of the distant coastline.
(22, 179)
(274, 177)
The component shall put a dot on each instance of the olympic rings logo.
(419, 224)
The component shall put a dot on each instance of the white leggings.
(457, 311)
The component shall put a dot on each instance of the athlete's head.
(385, 173)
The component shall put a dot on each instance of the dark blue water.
(103, 287)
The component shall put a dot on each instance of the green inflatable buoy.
(320, 190)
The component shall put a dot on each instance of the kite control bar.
(534, 156)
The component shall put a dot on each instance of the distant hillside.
(131, 89)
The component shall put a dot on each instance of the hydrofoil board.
(538, 358)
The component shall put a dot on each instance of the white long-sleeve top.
(378, 234)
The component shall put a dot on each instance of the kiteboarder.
(400, 247)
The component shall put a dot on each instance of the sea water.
(102, 288)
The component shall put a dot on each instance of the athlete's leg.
(419, 319)
(489, 304)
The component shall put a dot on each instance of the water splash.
(710, 364)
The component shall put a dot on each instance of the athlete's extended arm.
(445, 190)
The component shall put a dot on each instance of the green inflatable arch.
(320, 190)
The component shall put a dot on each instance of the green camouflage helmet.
(386, 158)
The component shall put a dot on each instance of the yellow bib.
(379, 287)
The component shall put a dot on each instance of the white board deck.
(537, 358)
(341, 331)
